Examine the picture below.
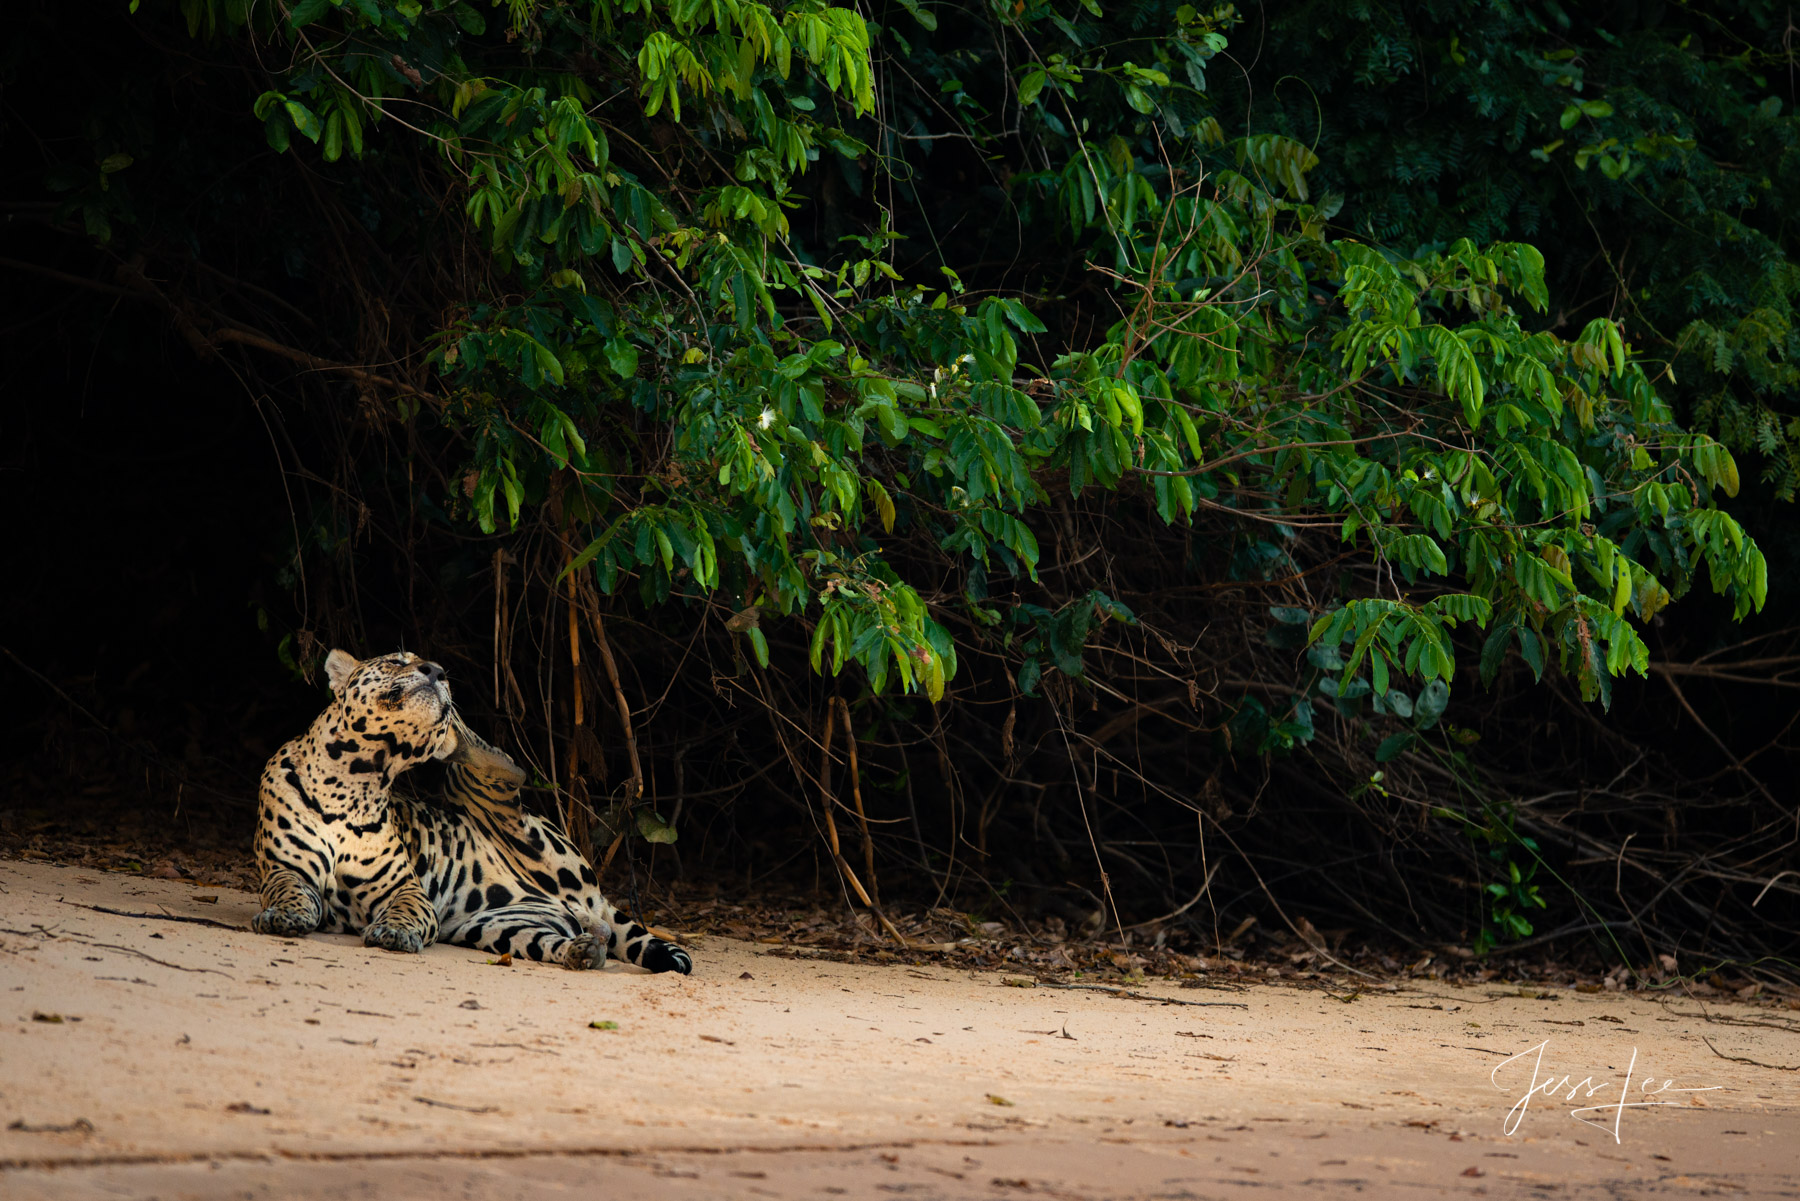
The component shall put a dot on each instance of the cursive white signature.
(1548, 1085)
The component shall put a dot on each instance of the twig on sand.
(78, 1126)
(1755, 1063)
(1144, 996)
(161, 917)
(520, 1046)
(451, 1105)
(1721, 1019)
(113, 946)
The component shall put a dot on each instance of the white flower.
(767, 419)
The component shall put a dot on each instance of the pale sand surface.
(441, 1076)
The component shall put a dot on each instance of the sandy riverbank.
(198, 1061)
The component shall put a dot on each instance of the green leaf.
(1531, 648)
(592, 549)
(303, 118)
(1434, 698)
(884, 504)
(653, 828)
(1032, 85)
(307, 11)
(934, 677)
(1419, 550)
(547, 362)
(1394, 745)
(622, 357)
(470, 19)
(1325, 658)
(1493, 653)
(759, 645)
(925, 17)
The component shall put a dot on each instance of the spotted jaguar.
(340, 852)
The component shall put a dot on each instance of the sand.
(193, 1061)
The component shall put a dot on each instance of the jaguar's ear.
(339, 666)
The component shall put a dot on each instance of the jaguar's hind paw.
(394, 938)
(588, 951)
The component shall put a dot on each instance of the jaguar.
(341, 851)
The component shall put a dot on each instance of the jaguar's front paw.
(394, 938)
(662, 956)
(588, 951)
(284, 923)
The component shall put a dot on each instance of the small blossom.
(767, 419)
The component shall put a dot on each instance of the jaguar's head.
(397, 706)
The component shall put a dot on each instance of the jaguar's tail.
(633, 942)
(481, 774)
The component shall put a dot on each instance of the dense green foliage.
(1647, 148)
(808, 401)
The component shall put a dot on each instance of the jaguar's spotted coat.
(340, 853)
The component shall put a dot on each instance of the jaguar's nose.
(432, 671)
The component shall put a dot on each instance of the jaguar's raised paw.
(283, 923)
(662, 956)
(588, 951)
(394, 938)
